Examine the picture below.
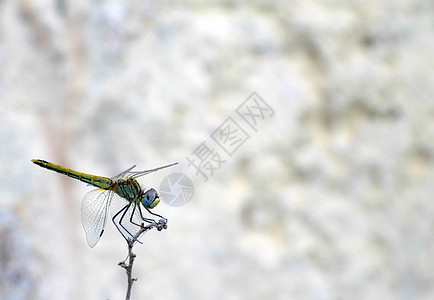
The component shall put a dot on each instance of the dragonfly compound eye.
(151, 198)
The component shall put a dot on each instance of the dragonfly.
(121, 193)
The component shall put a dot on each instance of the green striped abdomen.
(98, 181)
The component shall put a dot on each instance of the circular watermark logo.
(176, 189)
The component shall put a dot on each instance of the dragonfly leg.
(146, 220)
(151, 221)
(161, 217)
(124, 209)
(132, 216)
(131, 221)
(160, 225)
(122, 218)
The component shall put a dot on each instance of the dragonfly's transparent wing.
(123, 173)
(126, 216)
(94, 214)
(141, 173)
(132, 174)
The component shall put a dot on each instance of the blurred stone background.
(330, 198)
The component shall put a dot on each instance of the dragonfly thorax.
(127, 188)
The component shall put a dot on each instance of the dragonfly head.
(150, 198)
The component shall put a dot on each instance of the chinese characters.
(229, 136)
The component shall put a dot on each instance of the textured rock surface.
(329, 199)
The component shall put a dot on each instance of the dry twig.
(162, 224)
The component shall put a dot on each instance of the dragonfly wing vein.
(94, 214)
(123, 173)
(142, 173)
